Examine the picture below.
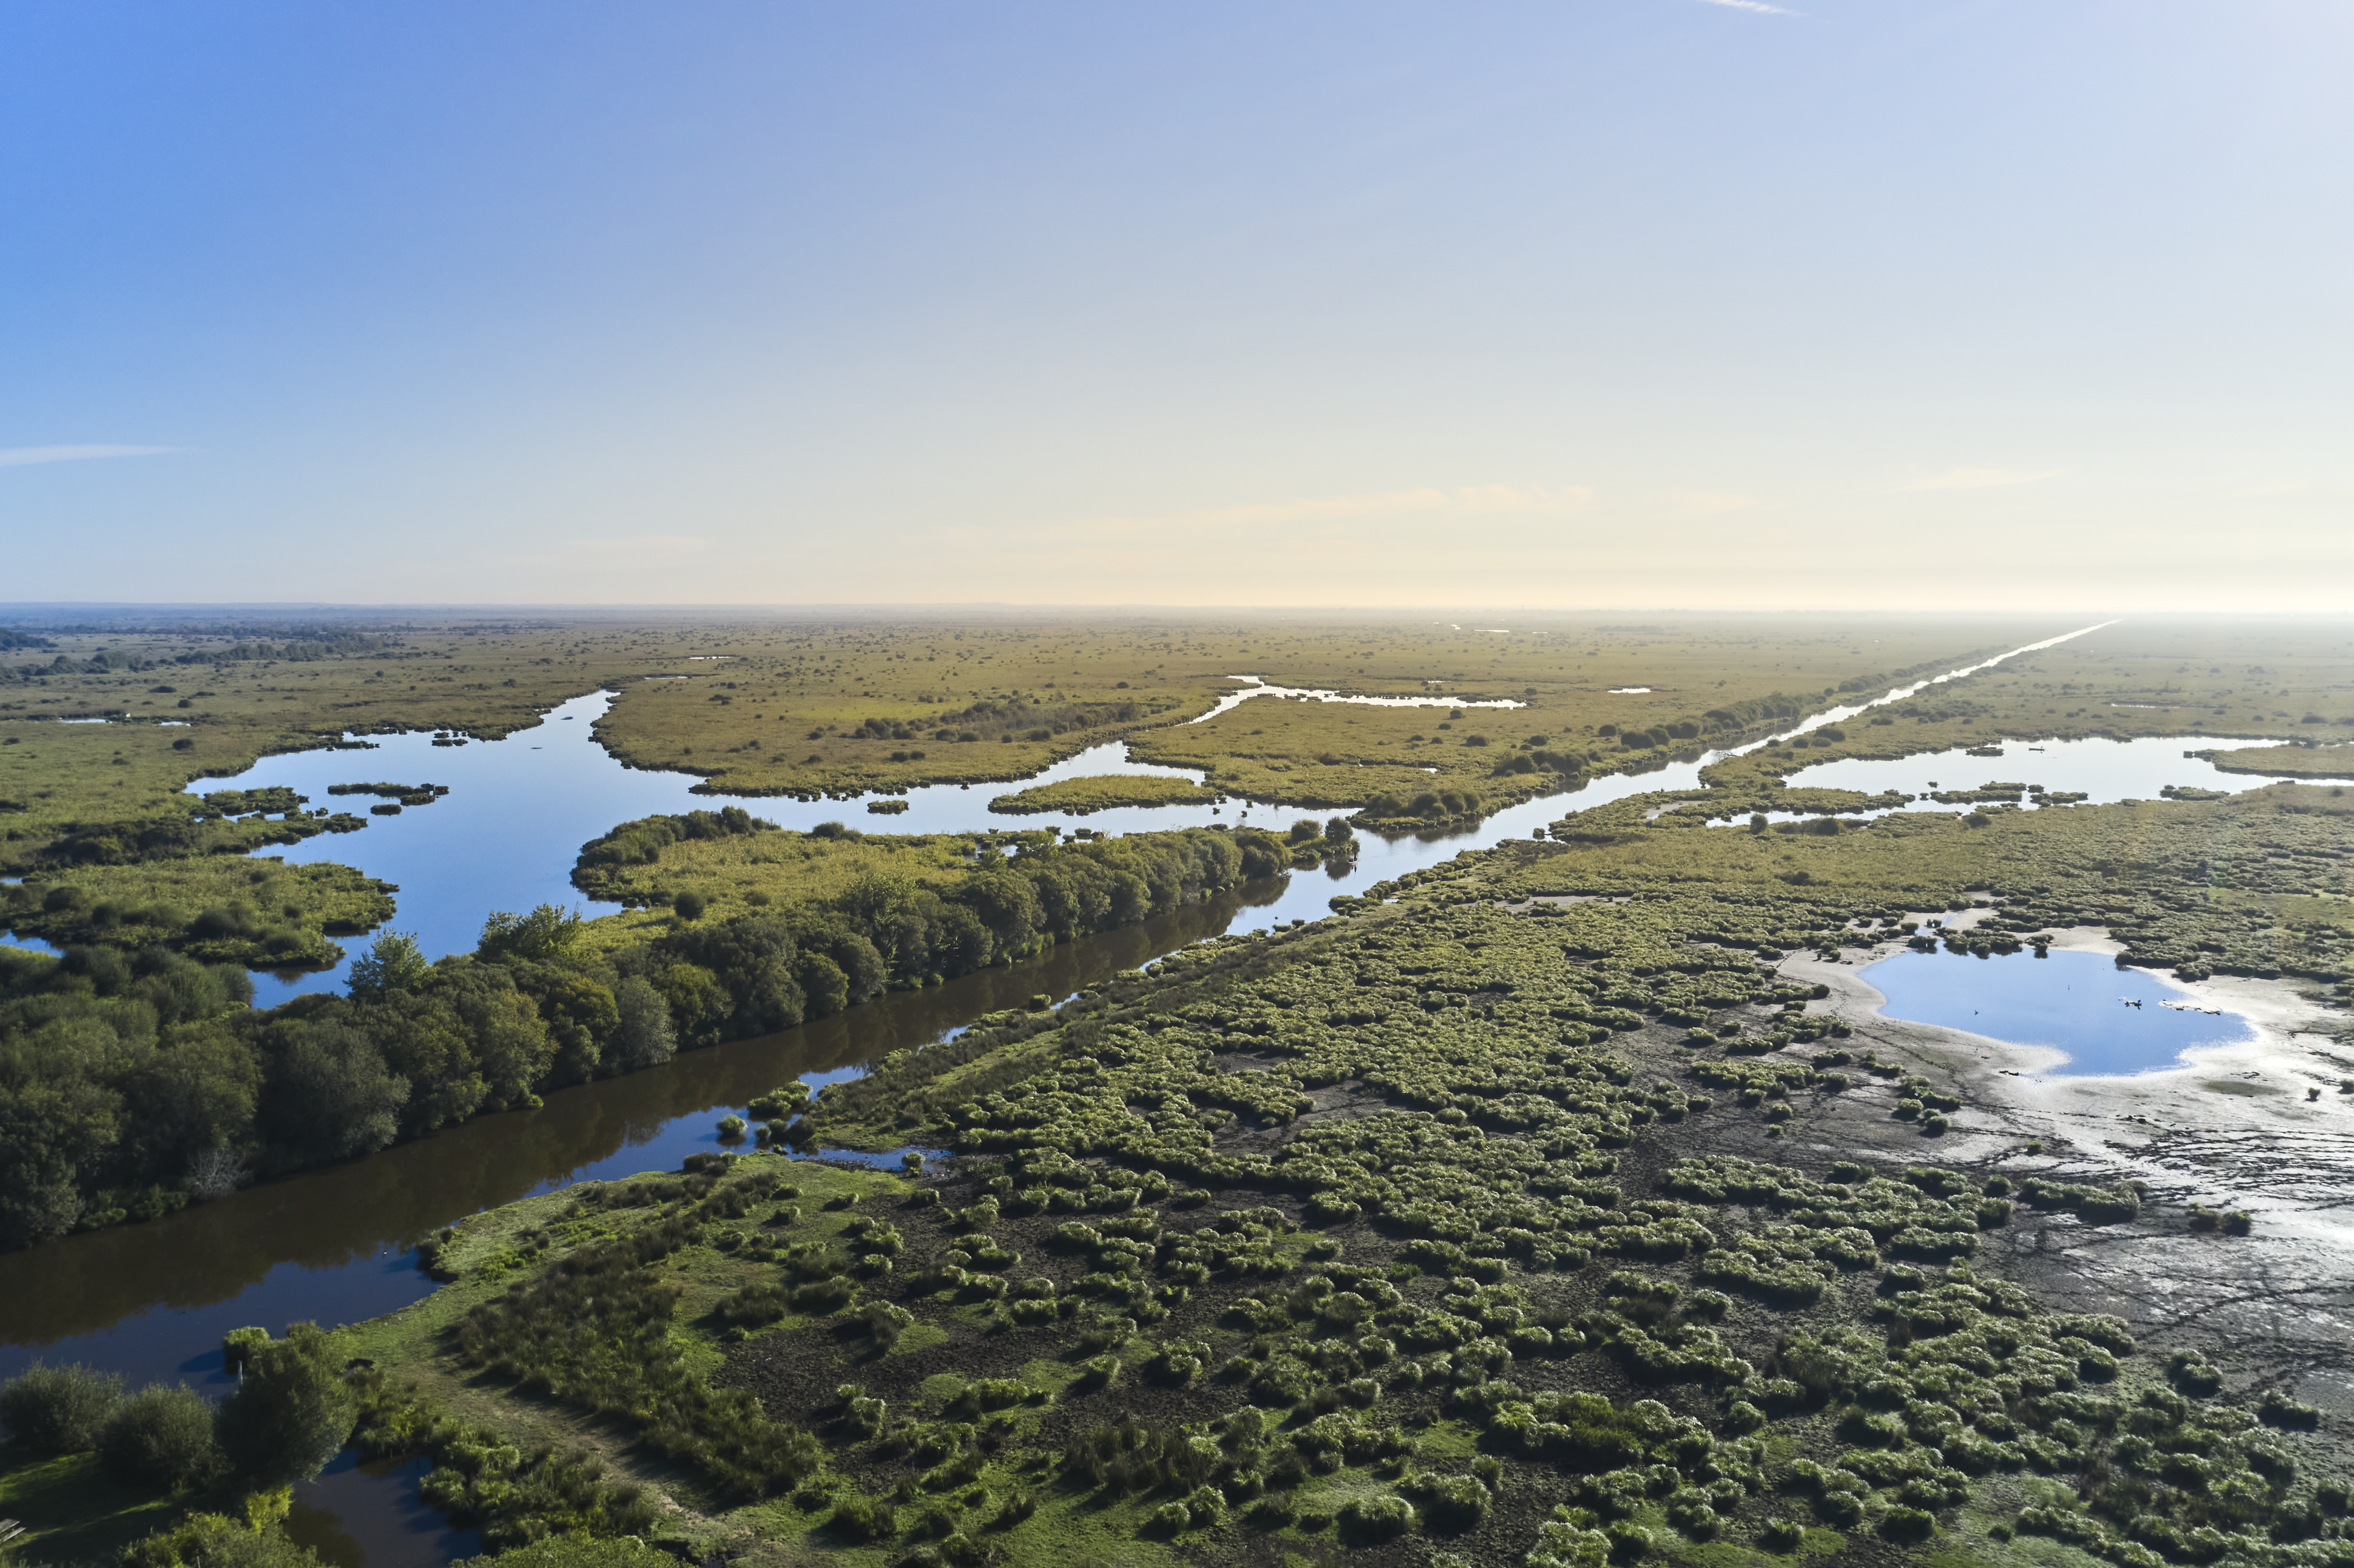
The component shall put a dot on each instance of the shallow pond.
(369, 1514)
(2109, 1021)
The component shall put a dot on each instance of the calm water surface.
(369, 1512)
(2075, 1003)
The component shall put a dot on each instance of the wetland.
(1534, 1186)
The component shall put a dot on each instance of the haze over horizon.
(1977, 305)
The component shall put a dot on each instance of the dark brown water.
(369, 1514)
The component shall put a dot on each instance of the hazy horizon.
(1700, 305)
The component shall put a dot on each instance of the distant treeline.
(321, 644)
(1009, 718)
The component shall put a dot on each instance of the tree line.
(131, 1082)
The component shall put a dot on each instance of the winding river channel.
(335, 1246)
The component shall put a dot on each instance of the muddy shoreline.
(2232, 1126)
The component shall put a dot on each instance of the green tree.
(55, 1122)
(57, 1410)
(162, 1436)
(823, 983)
(695, 998)
(513, 1049)
(331, 1094)
(542, 937)
(423, 1038)
(642, 1036)
(393, 963)
(196, 1091)
(292, 1411)
(581, 1017)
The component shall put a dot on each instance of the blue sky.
(1954, 304)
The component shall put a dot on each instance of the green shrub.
(291, 1413)
(58, 1410)
(1377, 1519)
(863, 1518)
(1627, 1540)
(162, 1436)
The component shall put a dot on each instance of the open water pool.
(2110, 1021)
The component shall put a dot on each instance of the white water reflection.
(2102, 771)
(1260, 688)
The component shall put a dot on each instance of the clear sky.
(1953, 303)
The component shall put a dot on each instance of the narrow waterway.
(2099, 770)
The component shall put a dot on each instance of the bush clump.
(58, 1410)
(162, 1436)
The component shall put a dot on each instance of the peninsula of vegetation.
(1102, 792)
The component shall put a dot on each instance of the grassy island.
(258, 911)
(1103, 791)
(2335, 761)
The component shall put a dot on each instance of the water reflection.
(2109, 1021)
(369, 1514)
(2104, 771)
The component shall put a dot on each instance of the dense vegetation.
(910, 910)
(1464, 1225)
(1443, 1228)
(222, 1473)
(258, 912)
(132, 1080)
(1104, 791)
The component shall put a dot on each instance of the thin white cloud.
(1752, 5)
(25, 456)
(1977, 479)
